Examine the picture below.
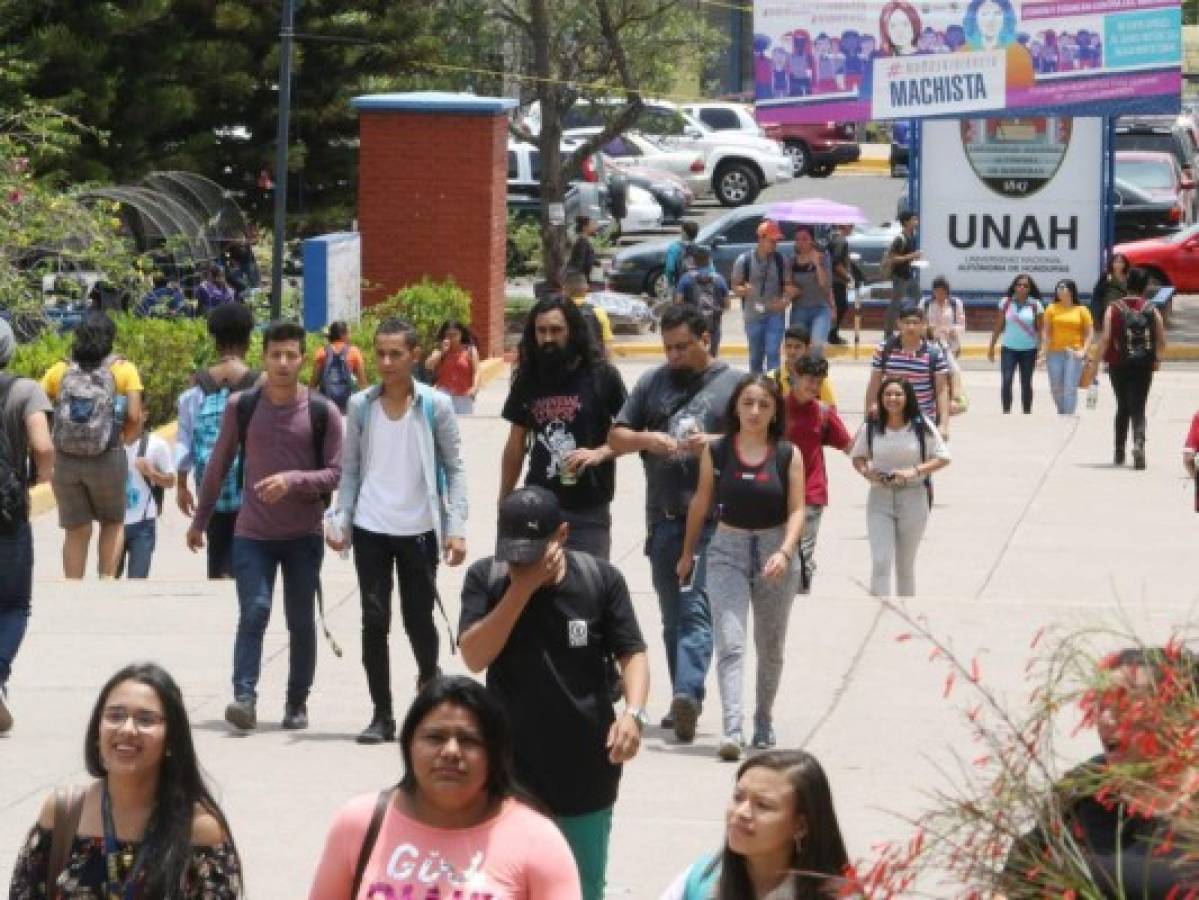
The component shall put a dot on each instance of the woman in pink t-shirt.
(453, 827)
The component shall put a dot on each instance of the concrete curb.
(866, 166)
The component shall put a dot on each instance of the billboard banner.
(1012, 196)
(860, 60)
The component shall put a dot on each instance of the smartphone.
(690, 582)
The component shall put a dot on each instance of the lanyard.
(114, 858)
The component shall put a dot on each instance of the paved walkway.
(1032, 527)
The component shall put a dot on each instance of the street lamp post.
(286, 36)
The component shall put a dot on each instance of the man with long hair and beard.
(563, 398)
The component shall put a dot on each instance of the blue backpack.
(207, 429)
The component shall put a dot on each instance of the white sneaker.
(5, 713)
(730, 747)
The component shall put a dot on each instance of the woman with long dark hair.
(897, 452)
(457, 812)
(1019, 322)
(753, 481)
(1112, 285)
(781, 837)
(147, 827)
(454, 365)
(1067, 337)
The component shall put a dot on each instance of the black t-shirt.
(838, 251)
(574, 412)
(902, 246)
(552, 679)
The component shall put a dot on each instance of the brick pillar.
(432, 198)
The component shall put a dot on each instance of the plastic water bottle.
(1092, 395)
(335, 529)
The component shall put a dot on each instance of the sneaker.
(382, 729)
(667, 722)
(836, 339)
(764, 736)
(730, 747)
(295, 716)
(1118, 459)
(1138, 456)
(242, 714)
(421, 682)
(685, 712)
(5, 712)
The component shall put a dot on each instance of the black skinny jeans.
(1009, 361)
(1131, 385)
(415, 563)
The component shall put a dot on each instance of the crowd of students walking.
(736, 487)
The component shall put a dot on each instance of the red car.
(1172, 260)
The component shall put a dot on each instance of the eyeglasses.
(143, 719)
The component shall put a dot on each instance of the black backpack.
(14, 495)
(1138, 346)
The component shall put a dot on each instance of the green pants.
(588, 836)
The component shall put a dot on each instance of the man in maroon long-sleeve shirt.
(279, 525)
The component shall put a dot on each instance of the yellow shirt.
(782, 377)
(123, 372)
(1066, 326)
(601, 316)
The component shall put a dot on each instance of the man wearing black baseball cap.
(543, 620)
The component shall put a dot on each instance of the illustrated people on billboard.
(927, 43)
(851, 46)
(803, 64)
(779, 77)
(1049, 52)
(826, 65)
(955, 38)
(868, 52)
(898, 26)
(989, 24)
(762, 67)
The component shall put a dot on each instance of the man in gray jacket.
(402, 501)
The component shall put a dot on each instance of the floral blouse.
(214, 873)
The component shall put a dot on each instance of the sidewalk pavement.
(1032, 527)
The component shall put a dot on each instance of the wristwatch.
(640, 716)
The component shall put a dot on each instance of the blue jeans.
(818, 320)
(714, 328)
(255, 565)
(765, 337)
(16, 592)
(1065, 371)
(140, 538)
(686, 615)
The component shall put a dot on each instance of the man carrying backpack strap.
(920, 361)
(706, 290)
(24, 436)
(339, 369)
(200, 410)
(279, 525)
(1134, 339)
(759, 279)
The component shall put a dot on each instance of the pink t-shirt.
(518, 854)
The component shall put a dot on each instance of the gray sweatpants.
(807, 545)
(734, 582)
(895, 519)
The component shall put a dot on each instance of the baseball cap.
(528, 518)
(769, 229)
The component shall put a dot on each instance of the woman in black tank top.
(752, 482)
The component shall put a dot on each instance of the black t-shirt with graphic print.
(573, 412)
(551, 678)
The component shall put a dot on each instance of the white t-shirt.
(139, 501)
(393, 498)
(897, 448)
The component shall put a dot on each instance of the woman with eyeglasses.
(457, 825)
(147, 826)
(1019, 323)
(1066, 336)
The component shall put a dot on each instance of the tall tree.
(595, 49)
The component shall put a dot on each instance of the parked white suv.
(737, 165)
(721, 116)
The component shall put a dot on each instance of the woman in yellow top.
(97, 401)
(1066, 334)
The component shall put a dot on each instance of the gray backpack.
(85, 414)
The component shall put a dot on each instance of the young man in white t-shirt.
(151, 465)
(402, 505)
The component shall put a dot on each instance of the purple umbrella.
(815, 211)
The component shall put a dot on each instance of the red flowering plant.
(1010, 824)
